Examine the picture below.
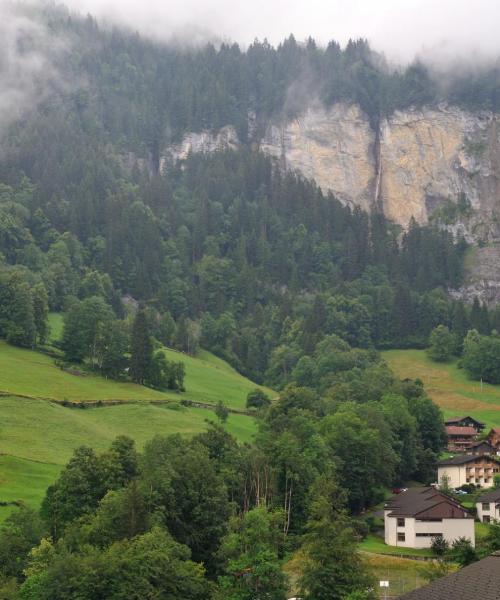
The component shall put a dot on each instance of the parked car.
(399, 490)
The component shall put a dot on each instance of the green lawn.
(47, 432)
(37, 430)
(38, 436)
(29, 373)
(208, 379)
(448, 385)
(24, 480)
(56, 326)
(375, 544)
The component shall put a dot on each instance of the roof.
(460, 419)
(492, 496)
(425, 502)
(464, 431)
(461, 459)
(480, 443)
(479, 580)
(495, 430)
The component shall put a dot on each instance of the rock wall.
(438, 163)
(416, 164)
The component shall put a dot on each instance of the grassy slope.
(208, 379)
(36, 430)
(37, 437)
(29, 373)
(448, 385)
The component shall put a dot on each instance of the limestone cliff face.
(418, 163)
(335, 147)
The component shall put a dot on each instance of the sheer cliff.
(436, 163)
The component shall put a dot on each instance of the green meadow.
(37, 435)
(448, 385)
(208, 380)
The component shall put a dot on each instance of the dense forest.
(227, 252)
(223, 250)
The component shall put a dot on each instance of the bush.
(257, 399)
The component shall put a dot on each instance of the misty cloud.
(401, 28)
(27, 63)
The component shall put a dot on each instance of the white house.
(414, 517)
(477, 469)
(488, 507)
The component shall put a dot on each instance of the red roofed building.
(460, 438)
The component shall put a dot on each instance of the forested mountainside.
(226, 249)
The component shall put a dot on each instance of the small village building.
(480, 447)
(494, 438)
(488, 507)
(460, 438)
(465, 422)
(480, 580)
(466, 469)
(416, 516)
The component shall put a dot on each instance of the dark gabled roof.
(424, 501)
(480, 580)
(460, 419)
(480, 443)
(463, 459)
(493, 496)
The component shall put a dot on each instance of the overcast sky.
(400, 28)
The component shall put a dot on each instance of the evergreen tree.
(141, 349)
(41, 312)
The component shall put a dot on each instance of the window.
(401, 522)
(401, 537)
(429, 535)
(486, 519)
(486, 506)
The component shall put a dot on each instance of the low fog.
(28, 57)
(402, 29)
(444, 33)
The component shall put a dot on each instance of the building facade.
(488, 507)
(461, 470)
(416, 516)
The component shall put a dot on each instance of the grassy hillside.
(28, 373)
(208, 380)
(37, 436)
(448, 385)
(38, 430)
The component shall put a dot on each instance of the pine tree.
(41, 312)
(141, 349)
